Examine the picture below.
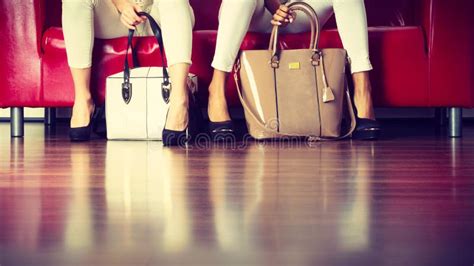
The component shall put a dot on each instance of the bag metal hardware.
(166, 91)
(275, 62)
(127, 92)
(315, 58)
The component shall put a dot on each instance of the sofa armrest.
(21, 28)
(450, 40)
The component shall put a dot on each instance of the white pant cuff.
(80, 65)
(222, 67)
(360, 65)
(175, 62)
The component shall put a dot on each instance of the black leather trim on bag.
(126, 85)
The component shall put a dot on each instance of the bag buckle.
(315, 58)
(166, 91)
(275, 62)
(126, 92)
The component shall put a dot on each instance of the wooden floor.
(405, 200)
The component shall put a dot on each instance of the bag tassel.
(328, 95)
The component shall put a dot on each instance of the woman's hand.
(283, 16)
(128, 13)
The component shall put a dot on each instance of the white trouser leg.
(176, 19)
(84, 20)
(234, 20)
(351, 22)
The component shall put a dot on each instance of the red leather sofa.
(422, 52)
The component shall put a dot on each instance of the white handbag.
(143, 117)
(136, 102)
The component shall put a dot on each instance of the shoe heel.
(80, 134)
(189, 134)
(174, 138)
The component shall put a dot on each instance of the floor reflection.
(125, 196)
(138, 203)
(235, 197)
(85, 204)
(258, 198)
(146, 189)
(354, 221)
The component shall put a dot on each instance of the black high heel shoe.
(221, 131)
(79, 134)
(367, 129)
(175, 137)
(181, 138)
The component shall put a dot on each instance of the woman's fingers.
(130, 18)
(282, 16)
(136, 18)
(127, 23)
(291, 16)
(127, 19)
(275, 23)
(284, 8)
(282, 13)
(278, 18)
(138, 9)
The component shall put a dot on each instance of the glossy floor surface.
(407, 199)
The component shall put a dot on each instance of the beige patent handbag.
(295, 93)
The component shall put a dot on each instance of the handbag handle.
(261, 123)
(315, 27)
(126, 85)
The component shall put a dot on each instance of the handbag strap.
(261, 123)
(166, 84)
(135, 61)
(314, 22)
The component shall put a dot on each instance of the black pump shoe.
(79, 134)
(221, 131)
(181, 138)
(367, 129)
(175, 138)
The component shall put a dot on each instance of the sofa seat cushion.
(398, 54)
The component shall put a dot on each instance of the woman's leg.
(81, 22)
(83, 102)
(78, 27)
(176, 19)
(352, 25)
(234, 20)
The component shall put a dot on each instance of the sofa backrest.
(379, 13)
